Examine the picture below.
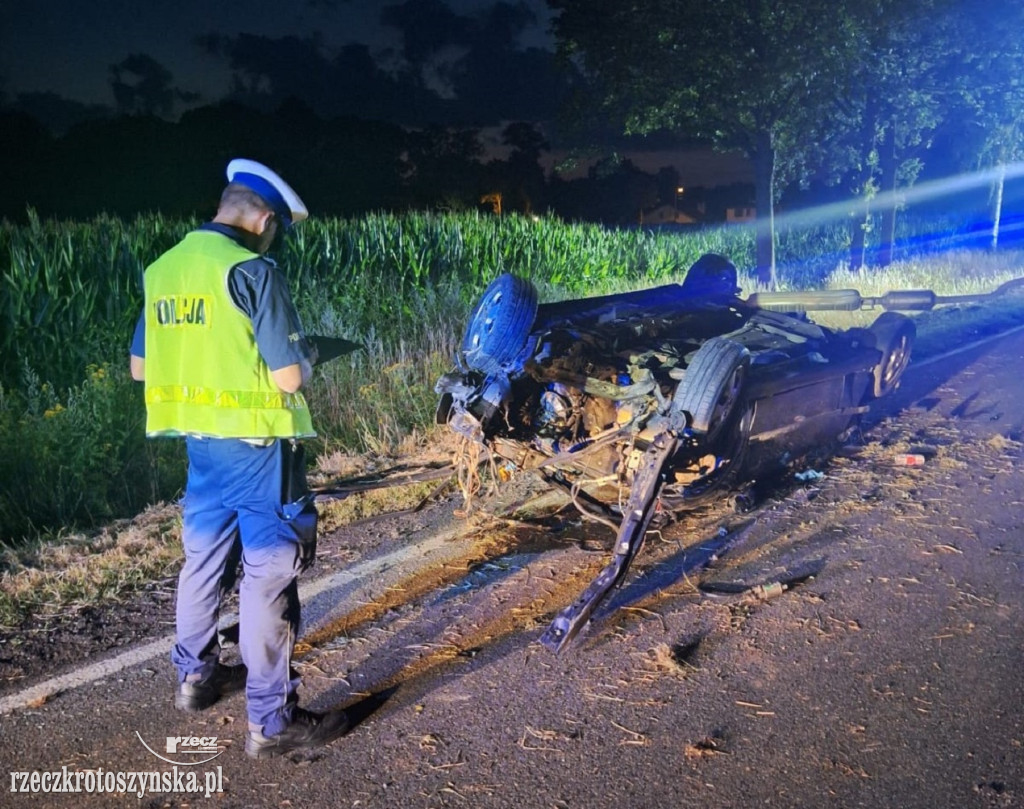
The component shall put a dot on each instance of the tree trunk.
(858, 236)
(997, 203)
(860, 220)
(888, 180)
(764, 197)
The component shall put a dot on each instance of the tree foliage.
(143, 86)
(900, 91)
(754, 75)
(852, 91)
(990, 90)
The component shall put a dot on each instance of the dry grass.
(58, 575)
(55, 576)
(663, 660)
(417, 451)
(362, 505)
(964, 272)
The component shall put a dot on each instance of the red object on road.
(910, 459)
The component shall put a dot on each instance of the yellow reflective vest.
(204, 373)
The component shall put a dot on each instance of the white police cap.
(268, 184)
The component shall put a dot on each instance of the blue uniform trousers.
(235, 492)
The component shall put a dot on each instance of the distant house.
(741, 214)
(667, 215)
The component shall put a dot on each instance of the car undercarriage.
(648, 403)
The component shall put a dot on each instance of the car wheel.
(499, 323)
(894, 337)
(712, 385)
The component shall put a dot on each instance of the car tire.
(499, 324)
(894, 337)
(713, 385)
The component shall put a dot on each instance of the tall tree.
(753, 75)
(524, 175)
(992, 90)
(442, 167)
(909, 47)
(142, 86)
(893, 104)
(931, 72)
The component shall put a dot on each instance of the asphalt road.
(888, 674)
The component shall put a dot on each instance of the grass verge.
(55, 576)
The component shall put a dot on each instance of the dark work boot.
(201, 694)
(307, 729)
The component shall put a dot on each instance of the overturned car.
(649, 402)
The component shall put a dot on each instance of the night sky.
(316, 49)
(473, 63)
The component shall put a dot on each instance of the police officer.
(223, 356)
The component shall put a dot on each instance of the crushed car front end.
(652, 401)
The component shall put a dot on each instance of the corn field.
(72, 448)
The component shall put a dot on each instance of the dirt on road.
(855, 641)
